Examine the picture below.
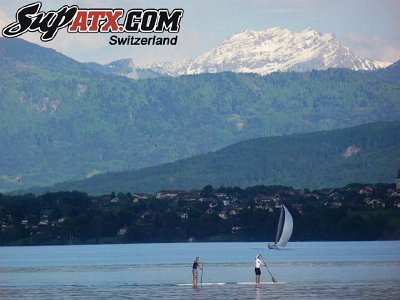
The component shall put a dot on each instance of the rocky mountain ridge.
(272, 50)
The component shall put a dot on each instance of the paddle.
(273, 279)
(201, 278)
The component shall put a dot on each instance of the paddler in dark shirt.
(196, 265)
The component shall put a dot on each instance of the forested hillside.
(367, 153)
(61, 120)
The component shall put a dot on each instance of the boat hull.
(273, 246)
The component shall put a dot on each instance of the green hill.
(62, 120)
(366, 154)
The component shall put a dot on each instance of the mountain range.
(124, 67)
(271, 50)
(260, 52)
(362, 154)
(64, 120)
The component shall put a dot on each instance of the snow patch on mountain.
(274, 49)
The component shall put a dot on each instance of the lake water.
(310, 270)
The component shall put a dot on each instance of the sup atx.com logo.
(29, 18)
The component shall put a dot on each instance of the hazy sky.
(370, 28)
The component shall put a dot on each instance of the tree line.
(224, 214)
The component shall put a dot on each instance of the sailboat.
(284, 231)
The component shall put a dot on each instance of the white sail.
(280, 226)
(287, 229)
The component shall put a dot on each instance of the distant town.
(354, 212)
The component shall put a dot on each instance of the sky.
(370, 28)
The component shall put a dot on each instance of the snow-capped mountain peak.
(271, 50)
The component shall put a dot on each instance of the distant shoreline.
(356, 212)
(201, 242)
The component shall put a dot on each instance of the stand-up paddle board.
(223, 283)
(204, 284)
(262, 283)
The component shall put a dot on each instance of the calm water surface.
(312, 270)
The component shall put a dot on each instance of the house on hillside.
(266, 202)
(333, 204)
(366, 190)
(140, 196)
(114, 200)
(146, 214)
(226, 202)
(223, 215)
(122, 231)
(220, 195)
(44, 222)
(183, 215)
(236, 229)
(336, 196)
(213, 204)
(170, 194)
(374, 203)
